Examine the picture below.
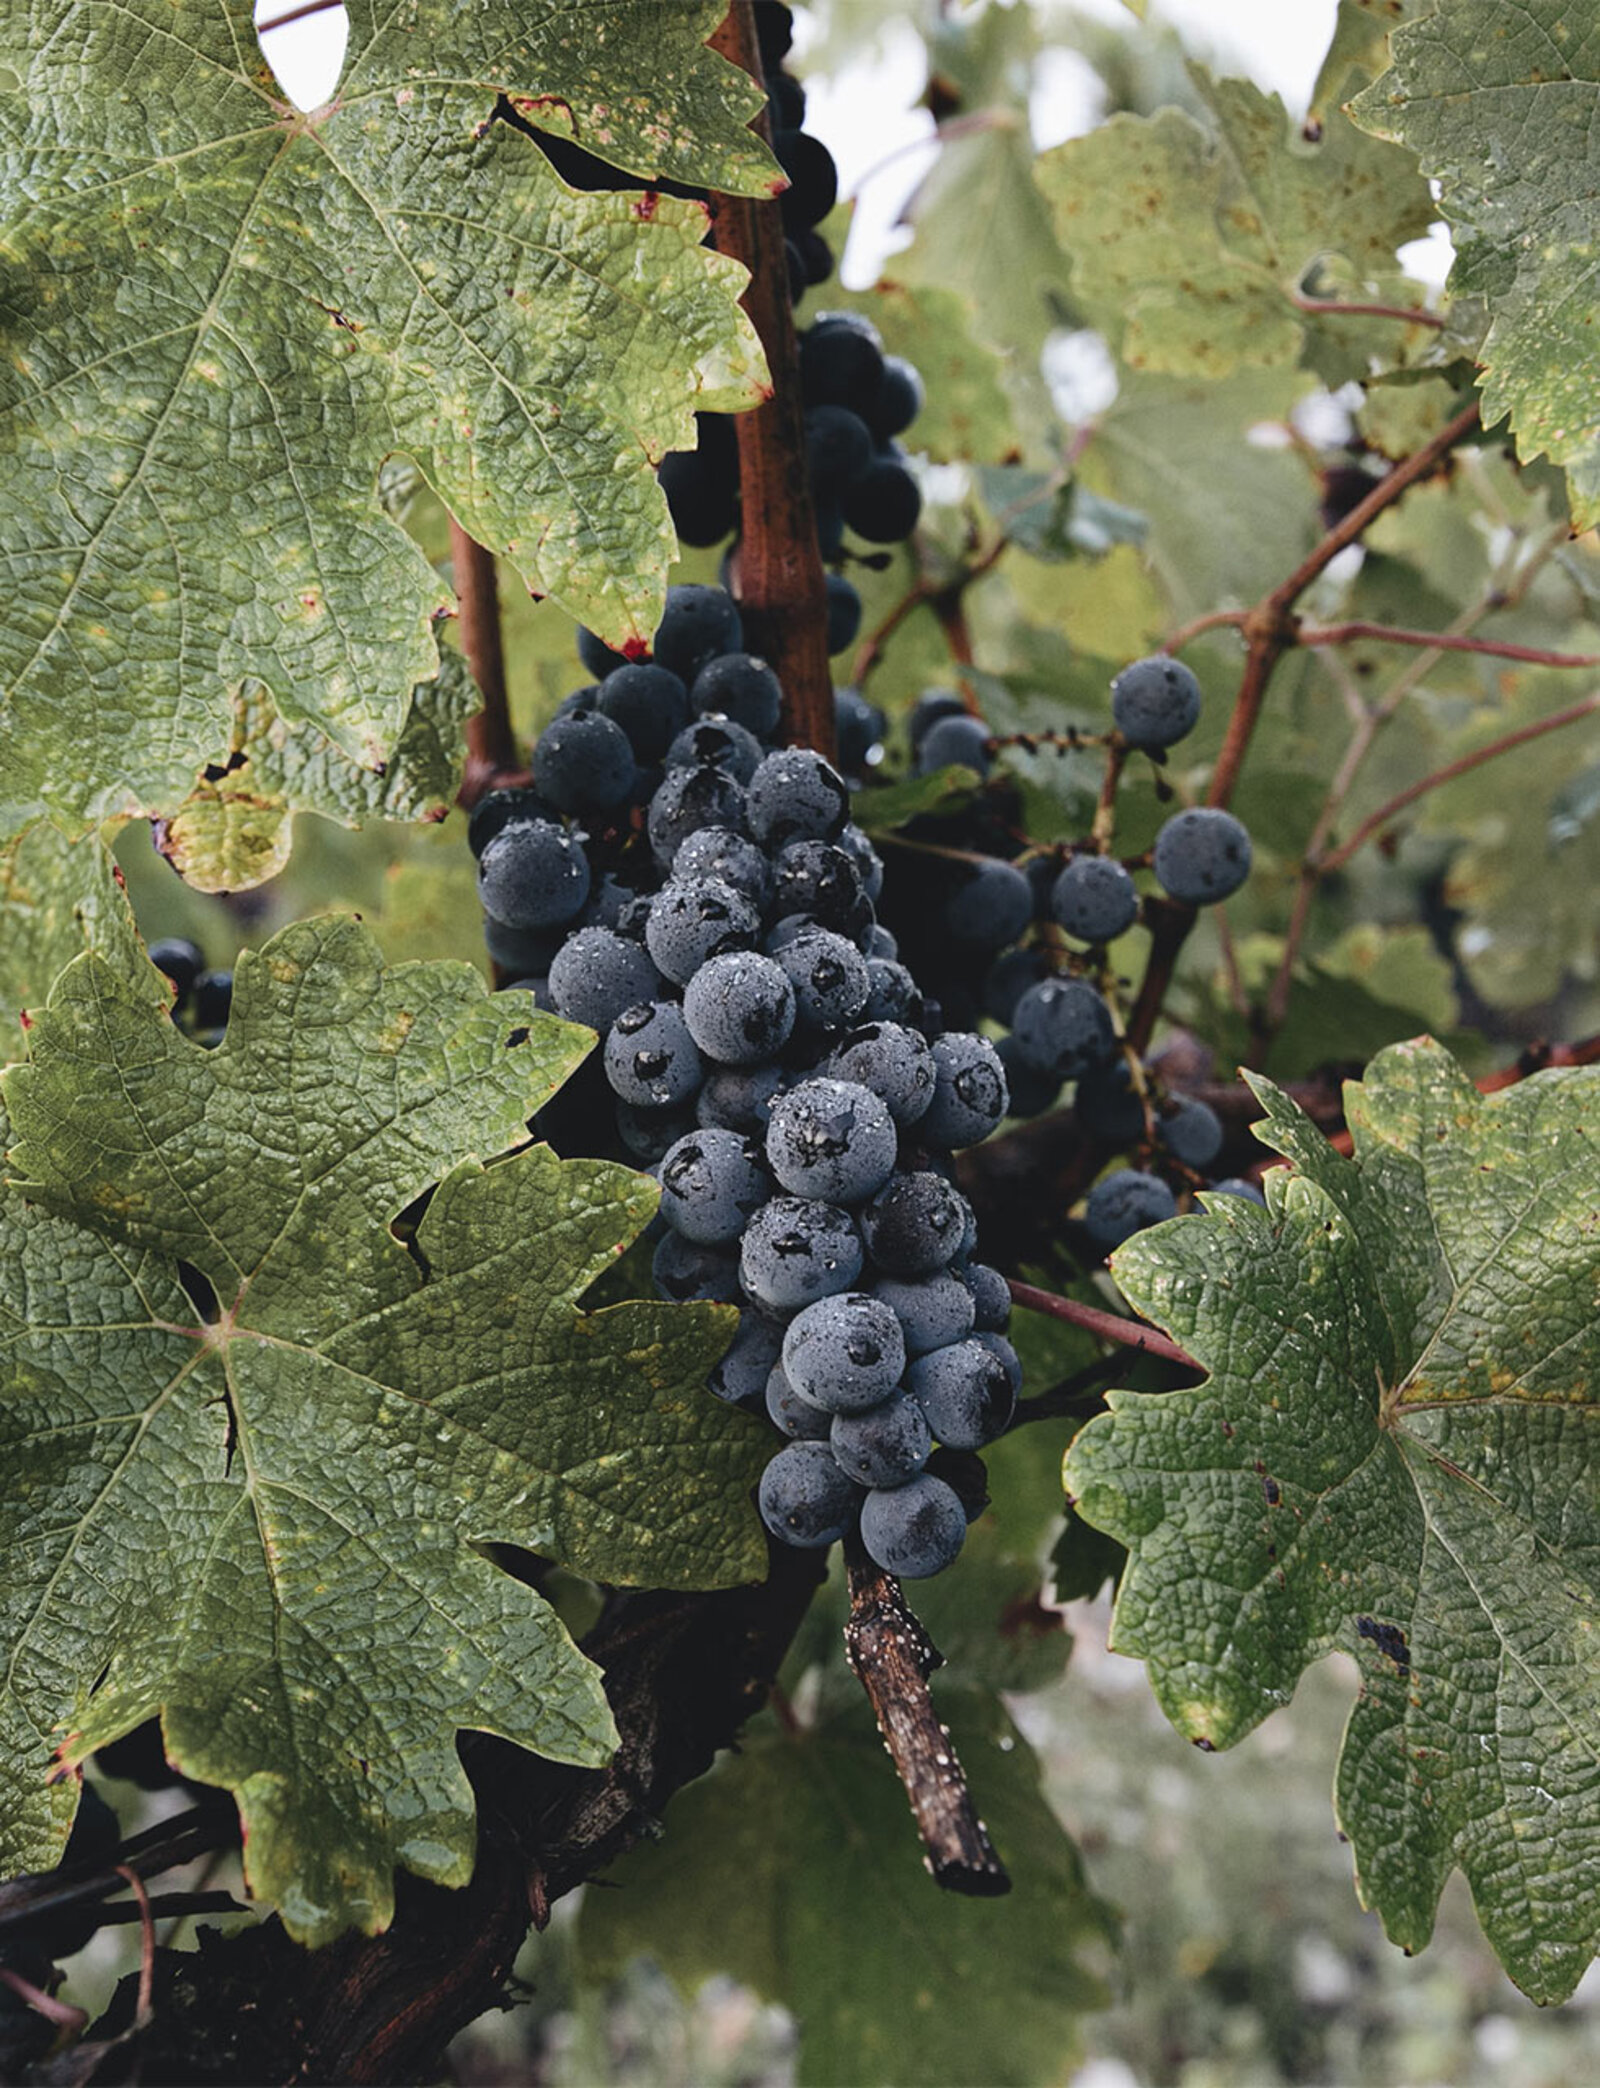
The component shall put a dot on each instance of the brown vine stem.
(1441, 641)
(1556, 722)
(491, 745)
(942, 594)
(892, 1657)
(777, 569)
(1132, 1334)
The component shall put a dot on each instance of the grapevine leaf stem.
(491, 745)
(1131, 1334)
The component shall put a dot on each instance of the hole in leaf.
(517, 1036)
(304, 41)
(216, 770)
(197, 1289)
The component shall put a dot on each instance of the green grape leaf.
(259, 1428)
(1497, 98)
(1397, 1453)
(885, 809)
(237, 828)
(59, 898)
(1174, 448)
(1190, 245)
(795, 1868)
(222, 316)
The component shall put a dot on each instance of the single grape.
(719, 852)
(892, 994)
(649, 704)
(694, 919)
(900, 399)
(796, 1251)
(650, 1057)
(687, 1272)
(816, 878)
(795, 1415)
(884, 503)
(533, 875)
(597, 973)
(697, 625)
(844, 623)
(991, 907)
(805, 1499)
(744, 1370)
(1124, 1203)
(881, 943)
(689, 799)
(1094, 899)
(702, 496)
(1202, 856)
(1155, 702)
(583, 762)
(930, 708)
(524, 952)
(716, 742)
(739, 686)
(181, 960)
(840, 361)
(1107, 1108)
(831, 1139)
(885, 1446)
(951, 741)
(915, 1530)
(1237, 1185)
(813, 179)
(211, 1001)
(913, 1226)
(970, 1096)
(740, 1008)
(991, 1296)
(650, 1134)
(1063, 1026)
(845, 1353)
(739, 1098)
(857, 845)
(796, 796)
(1191, 1131)
(1010, 1362)
(830, 978)
(838, 447)
(1029, 1092)
(894, 1062)
(933, 1311)
(965, 1391)
(712, 1183)
(503, 808)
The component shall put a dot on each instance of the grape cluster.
(1018, 936)
(701, 898)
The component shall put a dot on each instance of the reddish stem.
(1126, 1333)
(1440, 641)
(777, 568)
(1370, 825)
(491, 745)
(1336, 308)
